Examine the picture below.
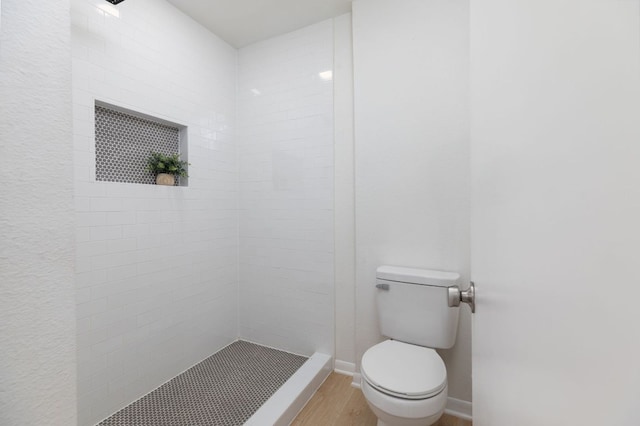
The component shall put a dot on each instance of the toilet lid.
(404, 370)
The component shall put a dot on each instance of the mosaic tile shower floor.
(224, 389)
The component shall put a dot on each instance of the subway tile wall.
(285, 130)
(156, 273)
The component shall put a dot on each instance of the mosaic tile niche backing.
(123, 143)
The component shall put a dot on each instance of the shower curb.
(283, 406)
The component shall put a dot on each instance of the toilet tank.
(413, 306)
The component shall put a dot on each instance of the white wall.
(344, 205)
(556, 202)
(286, 191)
(156, 266)
(411, 62)
(37, 323)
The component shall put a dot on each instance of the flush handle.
(383, 286)
(456, 296)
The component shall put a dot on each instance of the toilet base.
(412, 422)
(392, 411)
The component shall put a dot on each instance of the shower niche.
(124, 139)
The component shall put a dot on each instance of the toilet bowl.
(404, 384)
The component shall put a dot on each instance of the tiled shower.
(285, 143)
(167, 276)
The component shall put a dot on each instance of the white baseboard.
(459, 408)
(356, 380)
(344, 367)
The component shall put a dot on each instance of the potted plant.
(166, 167)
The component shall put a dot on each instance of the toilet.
(404, 380)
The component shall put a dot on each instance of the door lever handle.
(457, 296)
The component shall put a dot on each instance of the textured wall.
(411, 71)
(285, 97)
(37, 323)
(156, 266)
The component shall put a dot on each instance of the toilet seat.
(403, 370)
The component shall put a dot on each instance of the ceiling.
(242, 22)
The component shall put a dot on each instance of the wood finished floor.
(337, 403)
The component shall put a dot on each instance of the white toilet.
(403, 379)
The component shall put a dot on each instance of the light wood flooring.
(337, 403)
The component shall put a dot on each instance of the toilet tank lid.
(417, 276)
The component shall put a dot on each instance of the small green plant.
(170, 164)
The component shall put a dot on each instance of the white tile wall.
(157, 267)
(286, 190)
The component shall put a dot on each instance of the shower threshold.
(243, 383)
